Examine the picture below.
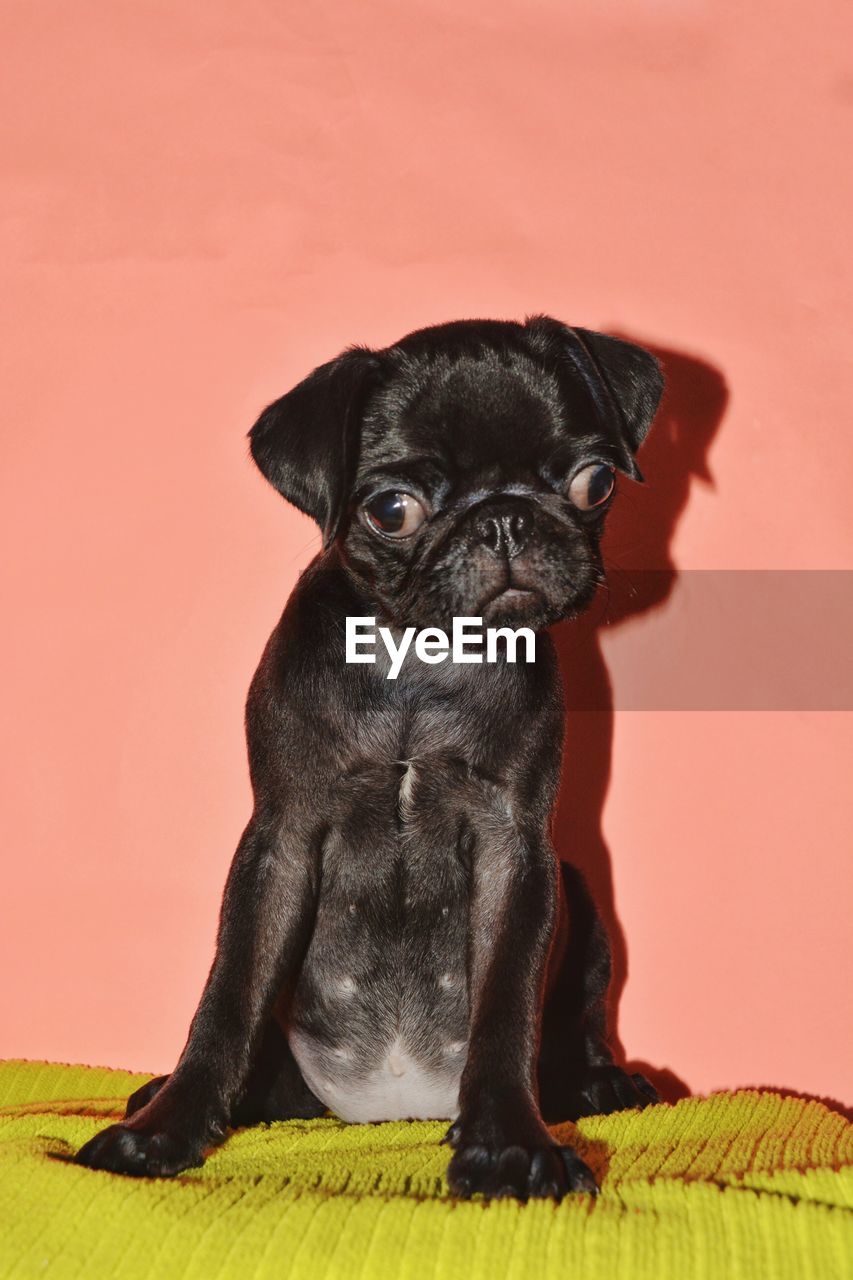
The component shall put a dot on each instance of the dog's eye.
(592, 486)
(395, 514)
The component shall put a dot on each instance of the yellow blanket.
(735, 1185)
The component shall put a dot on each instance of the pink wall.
(202, 201)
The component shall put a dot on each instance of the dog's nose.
(505, 533)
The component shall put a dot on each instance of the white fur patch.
(398, 1089)
(407, 786)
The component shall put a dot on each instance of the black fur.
(396, 884)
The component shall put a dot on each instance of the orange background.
(201, 202)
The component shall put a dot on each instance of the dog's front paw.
(606, 1089)
(141, 1153)
(518, 1160)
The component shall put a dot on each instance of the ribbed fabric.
(736, 1185)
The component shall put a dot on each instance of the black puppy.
(396, 938)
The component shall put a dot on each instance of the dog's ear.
(624, 380)
(306, 443)
(633, 376)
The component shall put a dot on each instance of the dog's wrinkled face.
(471, 499)
(467, 470)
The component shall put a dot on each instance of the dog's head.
(467, 469)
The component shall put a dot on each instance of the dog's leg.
(502, 1147)
(577, 1072)
(264, 925)
(275, 1089)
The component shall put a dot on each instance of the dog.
(398, 938)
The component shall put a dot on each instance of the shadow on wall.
(639, 537)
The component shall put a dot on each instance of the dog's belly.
(379, 1018)
(388, 1042)
(399, 1087)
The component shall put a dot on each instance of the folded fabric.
(735, 1185)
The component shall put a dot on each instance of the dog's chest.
(379, 1023)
